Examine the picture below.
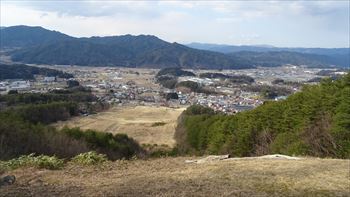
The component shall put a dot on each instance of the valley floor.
(174, 177)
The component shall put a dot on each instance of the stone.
(7, 180)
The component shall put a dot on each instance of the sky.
(278, 23)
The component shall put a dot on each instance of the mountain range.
(222, 48)
(38, 45)
(269, 54)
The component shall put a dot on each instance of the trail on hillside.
(213, 158)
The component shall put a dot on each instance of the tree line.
(315, 121)
(25, 119)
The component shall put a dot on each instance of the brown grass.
(172, 177)
(137, 122)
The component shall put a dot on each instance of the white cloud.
(91, 8)
(290, 23)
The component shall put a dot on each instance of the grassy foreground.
(174, 177)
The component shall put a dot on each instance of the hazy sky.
(278, 23)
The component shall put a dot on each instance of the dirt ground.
(174, 177)
(138, 122)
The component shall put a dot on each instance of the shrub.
(41, 161)
(164, 153)
(3, 167)
(167, 81)
(172, 95)
(199, 110)
(194, 86)
(157, 124)
(116, 146)
(162, 150)
(72, 83)
(90, 158)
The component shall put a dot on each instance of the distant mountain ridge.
(275, 58)
(38, 45)
(336, 56)
(222, 48)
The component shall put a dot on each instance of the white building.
(19, 85)
(49, 79)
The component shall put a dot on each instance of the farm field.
(146, 124)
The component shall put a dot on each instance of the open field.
(143, 77)
(146, 124)
(174, 177)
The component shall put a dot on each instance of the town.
(133, 87)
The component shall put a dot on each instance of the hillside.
(312, 122)
(174, 177)
(74, 52)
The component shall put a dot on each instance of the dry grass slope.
(173, 177)
(137, 122)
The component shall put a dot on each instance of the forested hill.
(315, 121)
(127, 50)
(90, 53)
(21, 71)
(41, 46)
